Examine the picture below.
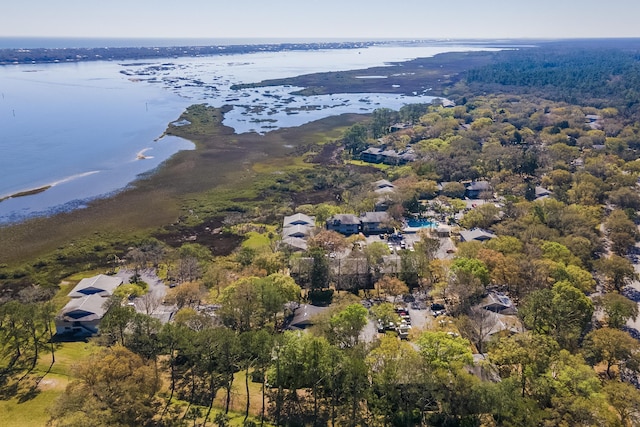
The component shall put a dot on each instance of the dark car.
(437, 309)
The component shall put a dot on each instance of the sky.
(351, 19)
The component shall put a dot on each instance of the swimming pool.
(421, 223)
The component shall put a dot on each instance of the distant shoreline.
(82, 54)
(52, 55)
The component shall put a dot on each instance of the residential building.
(346, 224)
(82, 315)
(476, 234)
(375, 222)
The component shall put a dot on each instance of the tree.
(345, 327)
(562, 312)
(617, 270)
(618, 309)
(385, 314)
(613, 347)
(187, 294)
(622, 232)
(454, 190)
(355, 138)
(328, 241)
(524, 357)
(391, 286)
(116, 320)
(441, 350)
(477, 326)
(625, 399)
(396, 392)
(113, 387)
(481, 217)
(319, 275)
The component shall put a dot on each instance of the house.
(371, 155)
(399, 126)
(375, 222)
(383, 186)
(300, 231)
(476, 188)
(346, 224)
(542, 192)
(298, 225)
(498, 303)
(443, 231)
(303, 317)
(477, 234)
(101, 285)
(298, 219)
(594, 121)
(82, 315)
(387, 156)
(295, 243)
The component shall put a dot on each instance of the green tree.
(113, 387)
(355, 138)
(441, 350)
(618, 309)
(345, 326)
(617, 270)
(613, 347)
(625, 399)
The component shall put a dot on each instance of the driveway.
(152, 302)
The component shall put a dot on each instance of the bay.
(83, 130)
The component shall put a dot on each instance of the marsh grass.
(226, 173)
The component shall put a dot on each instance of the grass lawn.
(29, 407)
(380, 166)
(32, 412)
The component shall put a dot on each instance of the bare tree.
(150, 303)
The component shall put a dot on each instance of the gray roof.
(479, 186)
(344, 219)
(297, 231)
(303, 316)
(383, 183)
(498, 303)
(541, 191)
(295, 243)
(101, 285)
(299, 219)
(374, 217)
(476, 234)
(84, 309)
(372, 150)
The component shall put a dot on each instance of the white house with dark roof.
(298, 226)
(82, 315)
(300, 231)
(299, 219)
(101, 285)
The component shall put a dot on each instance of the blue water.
(83, 127)
(421, 223)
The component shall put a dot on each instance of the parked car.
(438, 309)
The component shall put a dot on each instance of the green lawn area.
(32, 412)
(30, 409)
(380, 166)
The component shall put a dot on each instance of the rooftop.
(101, 284)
